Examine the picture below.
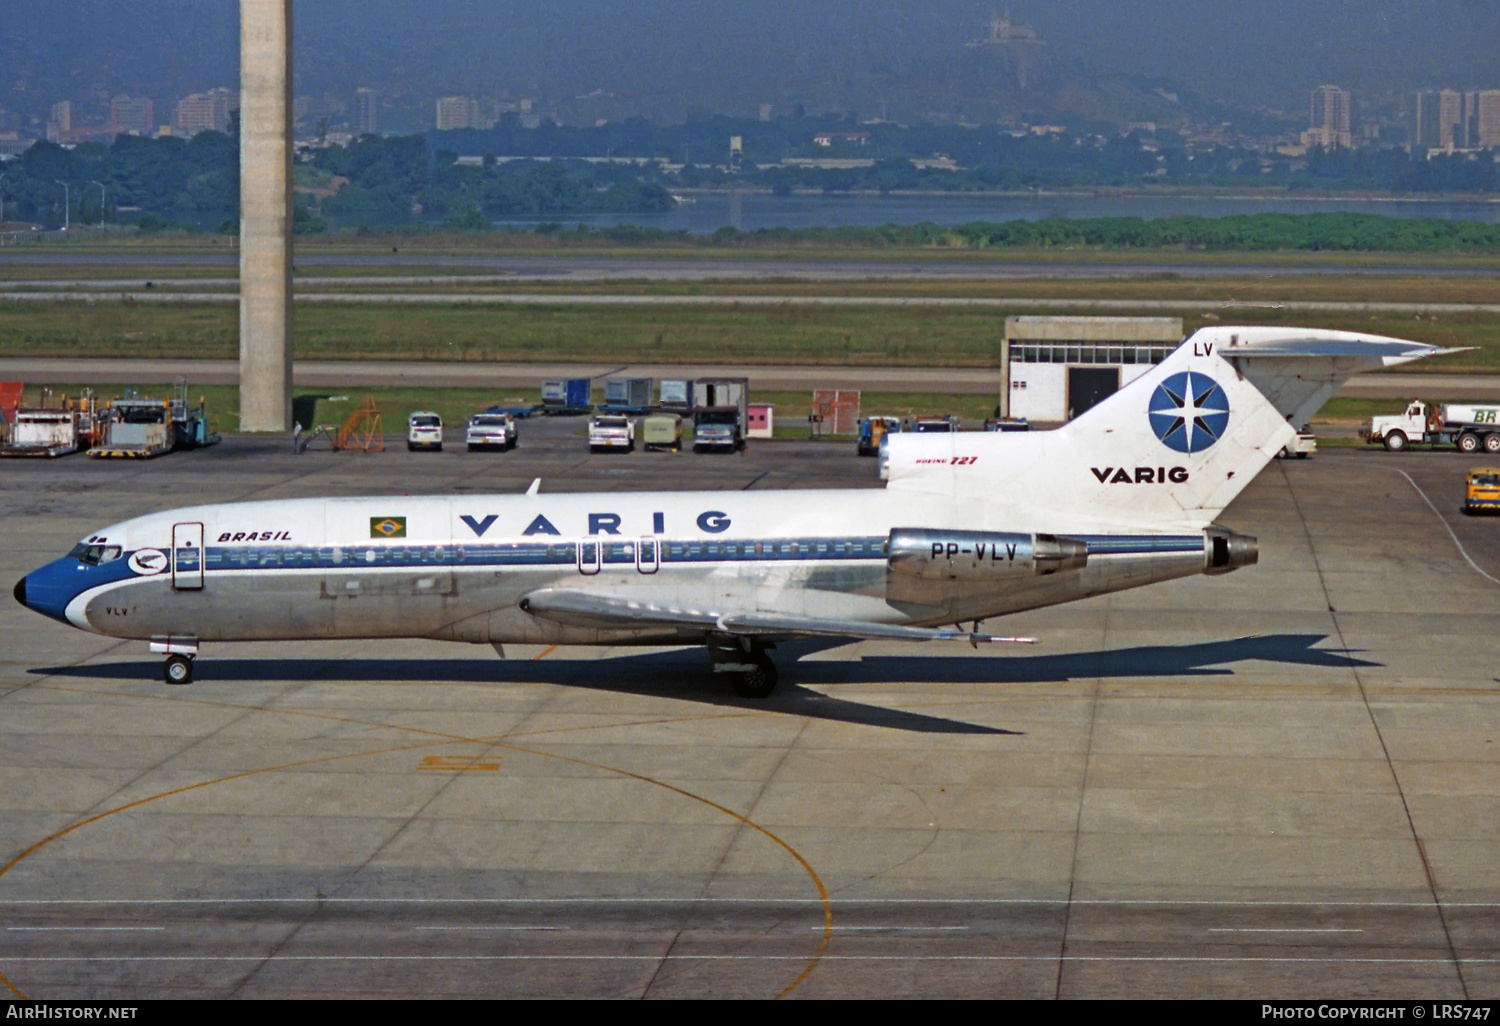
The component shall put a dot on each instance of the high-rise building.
(134, 115)
(366, 117)
(1470, 123)
(1424, 120)
(454, 112)
(1450, 118)
(1329, 123)
(60, 120)
(1487, 117)
(203, 112)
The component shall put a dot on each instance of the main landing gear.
(751, 672)
(180, 653)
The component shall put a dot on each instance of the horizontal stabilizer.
(603, 612)
(1390, 351)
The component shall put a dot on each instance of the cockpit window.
(96, 555)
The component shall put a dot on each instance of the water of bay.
(703, 213)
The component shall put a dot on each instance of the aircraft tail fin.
(1172, 448)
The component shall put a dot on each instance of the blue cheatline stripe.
(1122, 544)
(384, 554)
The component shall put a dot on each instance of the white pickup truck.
(1467, 427)
(610, 433)
(491, 431)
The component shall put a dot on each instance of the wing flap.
(606, 612)
(773, 623)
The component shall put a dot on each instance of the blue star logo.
(1189, 412)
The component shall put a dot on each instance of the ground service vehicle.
(1482, 491)
(43, 433)
(677, 395)
(145, 428)
(717, 431)
(935, 425)
(567, 397)
(1467, 427)
(662, 431)
(721, 416)
(136, 429)
(872, 430)
(491, 431)
(610, 432)
(424, 430)
(627, 395)
(969, 527)
(1301, 447)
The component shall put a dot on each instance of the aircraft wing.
(604, 612)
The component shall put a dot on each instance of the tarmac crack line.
(1385, 751)
(759, 794)
(656, 974)
(1083, 790)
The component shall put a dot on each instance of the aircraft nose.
(21, 591)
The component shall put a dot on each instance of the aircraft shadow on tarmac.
(682, 674)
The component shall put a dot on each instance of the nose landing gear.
(178, 669)
(180, 653)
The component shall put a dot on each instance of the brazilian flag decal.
(387, 527)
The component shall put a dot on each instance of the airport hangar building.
(1053, 369)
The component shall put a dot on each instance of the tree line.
(193, 185)
(1338, 232)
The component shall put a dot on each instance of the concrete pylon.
(266, 215)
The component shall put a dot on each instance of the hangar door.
(1090, 386)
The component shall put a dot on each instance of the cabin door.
(187, 557)
(648, 556)
(590, 557)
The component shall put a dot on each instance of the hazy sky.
(706, 52)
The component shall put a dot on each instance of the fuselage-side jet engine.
(969, 527)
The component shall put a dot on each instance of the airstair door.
(187, 557)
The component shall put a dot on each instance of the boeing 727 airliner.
(968, 528)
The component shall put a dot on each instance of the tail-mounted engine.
(981, 555)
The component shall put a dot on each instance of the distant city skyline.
(666, 59)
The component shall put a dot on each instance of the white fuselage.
(456, 568)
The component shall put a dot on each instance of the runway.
(513, 376)
(187, 296)
(1276, 784)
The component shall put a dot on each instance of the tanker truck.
(1469, 428)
